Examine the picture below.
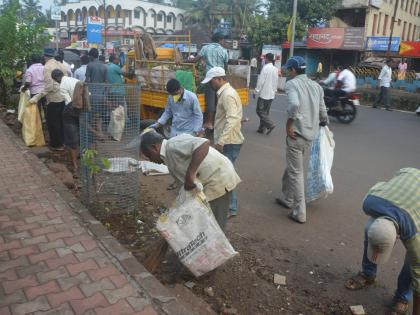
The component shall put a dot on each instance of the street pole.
(56, 34)
(105, 16)
(292, 41)
(392, 28)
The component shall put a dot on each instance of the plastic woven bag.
(32, 133)
(117, 123)
(318, 180)
(193, 233)
(23, 101)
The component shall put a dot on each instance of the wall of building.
(130, 14)
(407, 25)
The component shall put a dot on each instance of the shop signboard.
(351, 38)
(94, 30)
(380, 43)
(274, 49)
(410, 49)
(56, 13)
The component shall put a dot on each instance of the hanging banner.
(380, 43)
(56, 13)
(350, 38)
(331, 38)
(410, 49)
(94, 30)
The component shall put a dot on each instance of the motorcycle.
(345, 108)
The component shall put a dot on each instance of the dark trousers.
(263, 111)
(336, 94)
(383, 96)
(54, 118)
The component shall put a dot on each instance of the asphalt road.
(371, 149)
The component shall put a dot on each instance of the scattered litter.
(279, 279)
(311, 272)
(342, 244)
(229, 311)
(140, 221)
(357, 310)
(152, 169)
(11, 111)
(209, 291)
(189, 284)
(122, 165)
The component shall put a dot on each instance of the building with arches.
(120, 18)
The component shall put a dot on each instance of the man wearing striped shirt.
(394, 210)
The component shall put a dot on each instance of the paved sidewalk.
(50, 261)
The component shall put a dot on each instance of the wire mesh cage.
(109, 161)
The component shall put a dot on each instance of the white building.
(121, 16)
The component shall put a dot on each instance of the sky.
(46, 4)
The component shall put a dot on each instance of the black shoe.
(260, 131)
(282, 203)
(269, 130)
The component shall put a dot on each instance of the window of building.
(409, 31)
(136, 14)
(414, 33)
(118, 14)
(379, 23)
(403, 32)
(411, 6)
(399, 22)
(415, 9)
(169, 19)
(406, 5)
(64, 18)
(160, 17)
(402, 4)
(375, 21)
(385, 24)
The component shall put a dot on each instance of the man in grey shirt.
(306, 111)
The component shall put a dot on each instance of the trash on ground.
(357, 310)
(279, 279)
(153, 169)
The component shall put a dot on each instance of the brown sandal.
(359, 281)
(399, 307)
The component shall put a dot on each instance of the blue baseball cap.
(296, 62)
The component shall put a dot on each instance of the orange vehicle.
(153, 75)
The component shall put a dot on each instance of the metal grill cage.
(109, 164)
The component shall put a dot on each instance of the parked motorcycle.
(345, 109)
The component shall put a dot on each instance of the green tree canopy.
(19, 39)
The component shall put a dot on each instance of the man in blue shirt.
(184, 110)
(115, 77)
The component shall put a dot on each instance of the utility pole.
(105, 20)
(292, 41)
(393, 20)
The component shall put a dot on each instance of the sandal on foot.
(399, 307)
(359, 281)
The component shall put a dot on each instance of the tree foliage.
(19, 39)
(272, 26)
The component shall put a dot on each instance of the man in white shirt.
(346, 83)
(266, 89)
(70, 116)
(254, 65)
(191, 159)
(384, 81)
(80, 73)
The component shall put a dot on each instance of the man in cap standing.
(55, 100)
(394, 210)
(228, 137)
(215, 56)
(305, 111)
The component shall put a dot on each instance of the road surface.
(327, 249)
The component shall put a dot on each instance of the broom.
(156, 254)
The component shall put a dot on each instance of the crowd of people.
(393, 206)
(51, 84)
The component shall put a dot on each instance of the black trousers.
(54, 118)
(263, 111)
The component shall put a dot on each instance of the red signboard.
(325, 38)
(410, 49)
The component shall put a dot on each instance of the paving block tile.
(45, 256)
(68, 282)
(95, 301)
(120, 308)
(74, 269)
(14, 285)
(24, 251)
(114, 295)
(39, 304)
(56, 299)
(57, 262)
(98, 286)
(43, 289)
(59, 273)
